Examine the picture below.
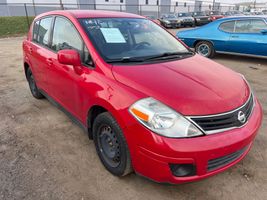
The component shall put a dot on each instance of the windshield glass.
(184, 15)
(199, 14)
(168, 16)
(215, 13)
(117, 38)
(151, 17)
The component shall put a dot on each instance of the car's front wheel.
(111, 145)
(205, 49)
(32, 84)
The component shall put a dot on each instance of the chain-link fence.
(33, 9)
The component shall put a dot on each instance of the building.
(142, 7)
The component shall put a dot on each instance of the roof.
(243, 17)
(93, 14)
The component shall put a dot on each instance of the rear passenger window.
(228, 26)
(44, 31)
(65, 36)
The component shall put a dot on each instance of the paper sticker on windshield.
(112, 35)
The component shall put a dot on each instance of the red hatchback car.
(150, 104)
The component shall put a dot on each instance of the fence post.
(158, 12)
(34, 8)
(120, 8)
(140, 11)
(27, 16)
(61, 5)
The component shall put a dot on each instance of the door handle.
(235, 36)
(30, 50)
(49, 61)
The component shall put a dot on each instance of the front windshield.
(184, 15)
(117, 38)
(215, 13)
(151, 17)
(169, 16)
(199, 14)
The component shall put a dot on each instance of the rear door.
(248, 37)
(39, 50)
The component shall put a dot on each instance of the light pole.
(213, 5)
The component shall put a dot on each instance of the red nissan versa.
(150, 104)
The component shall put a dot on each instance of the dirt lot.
(43, 155)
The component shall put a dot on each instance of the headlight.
(167, 22)
(162, 120)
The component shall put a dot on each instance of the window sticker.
(112, 35)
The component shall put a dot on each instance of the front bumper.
(172, 25)
(152, 154)
(187, 23)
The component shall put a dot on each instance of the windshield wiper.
(168, 55)
(125, 60)
(163, 56)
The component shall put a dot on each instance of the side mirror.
(70, 57)
(264, 31)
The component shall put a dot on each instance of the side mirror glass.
(264, 31)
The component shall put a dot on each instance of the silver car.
(186, 19)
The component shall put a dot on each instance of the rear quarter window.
(227, 26)
(44, 28)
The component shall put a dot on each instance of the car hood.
(191, 86)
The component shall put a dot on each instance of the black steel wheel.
(111, 145)
(32, 84)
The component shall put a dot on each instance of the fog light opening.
(183, 170)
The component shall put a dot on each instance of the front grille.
(215, 123)
(223, 161)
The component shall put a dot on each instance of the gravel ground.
(43, 155)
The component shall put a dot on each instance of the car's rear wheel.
(111, 145)
(205, 49)
(32, 84)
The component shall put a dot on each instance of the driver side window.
(69, 40)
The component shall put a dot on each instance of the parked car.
(200, 18)
(170, 21)
(214, 15)
(264, 12)
(244, 35)
(152, 18)
(186, 19)
(149, 103)
(233, 13)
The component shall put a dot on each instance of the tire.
(32, 84)
(111, 145)
(205, 49)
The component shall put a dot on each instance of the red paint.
(192, 86)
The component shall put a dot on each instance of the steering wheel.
(141, 44)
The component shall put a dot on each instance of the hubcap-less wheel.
(32, 84)
(109, 145)
(203, 50)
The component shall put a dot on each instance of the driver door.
(248, 37)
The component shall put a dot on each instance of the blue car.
(242, 35)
